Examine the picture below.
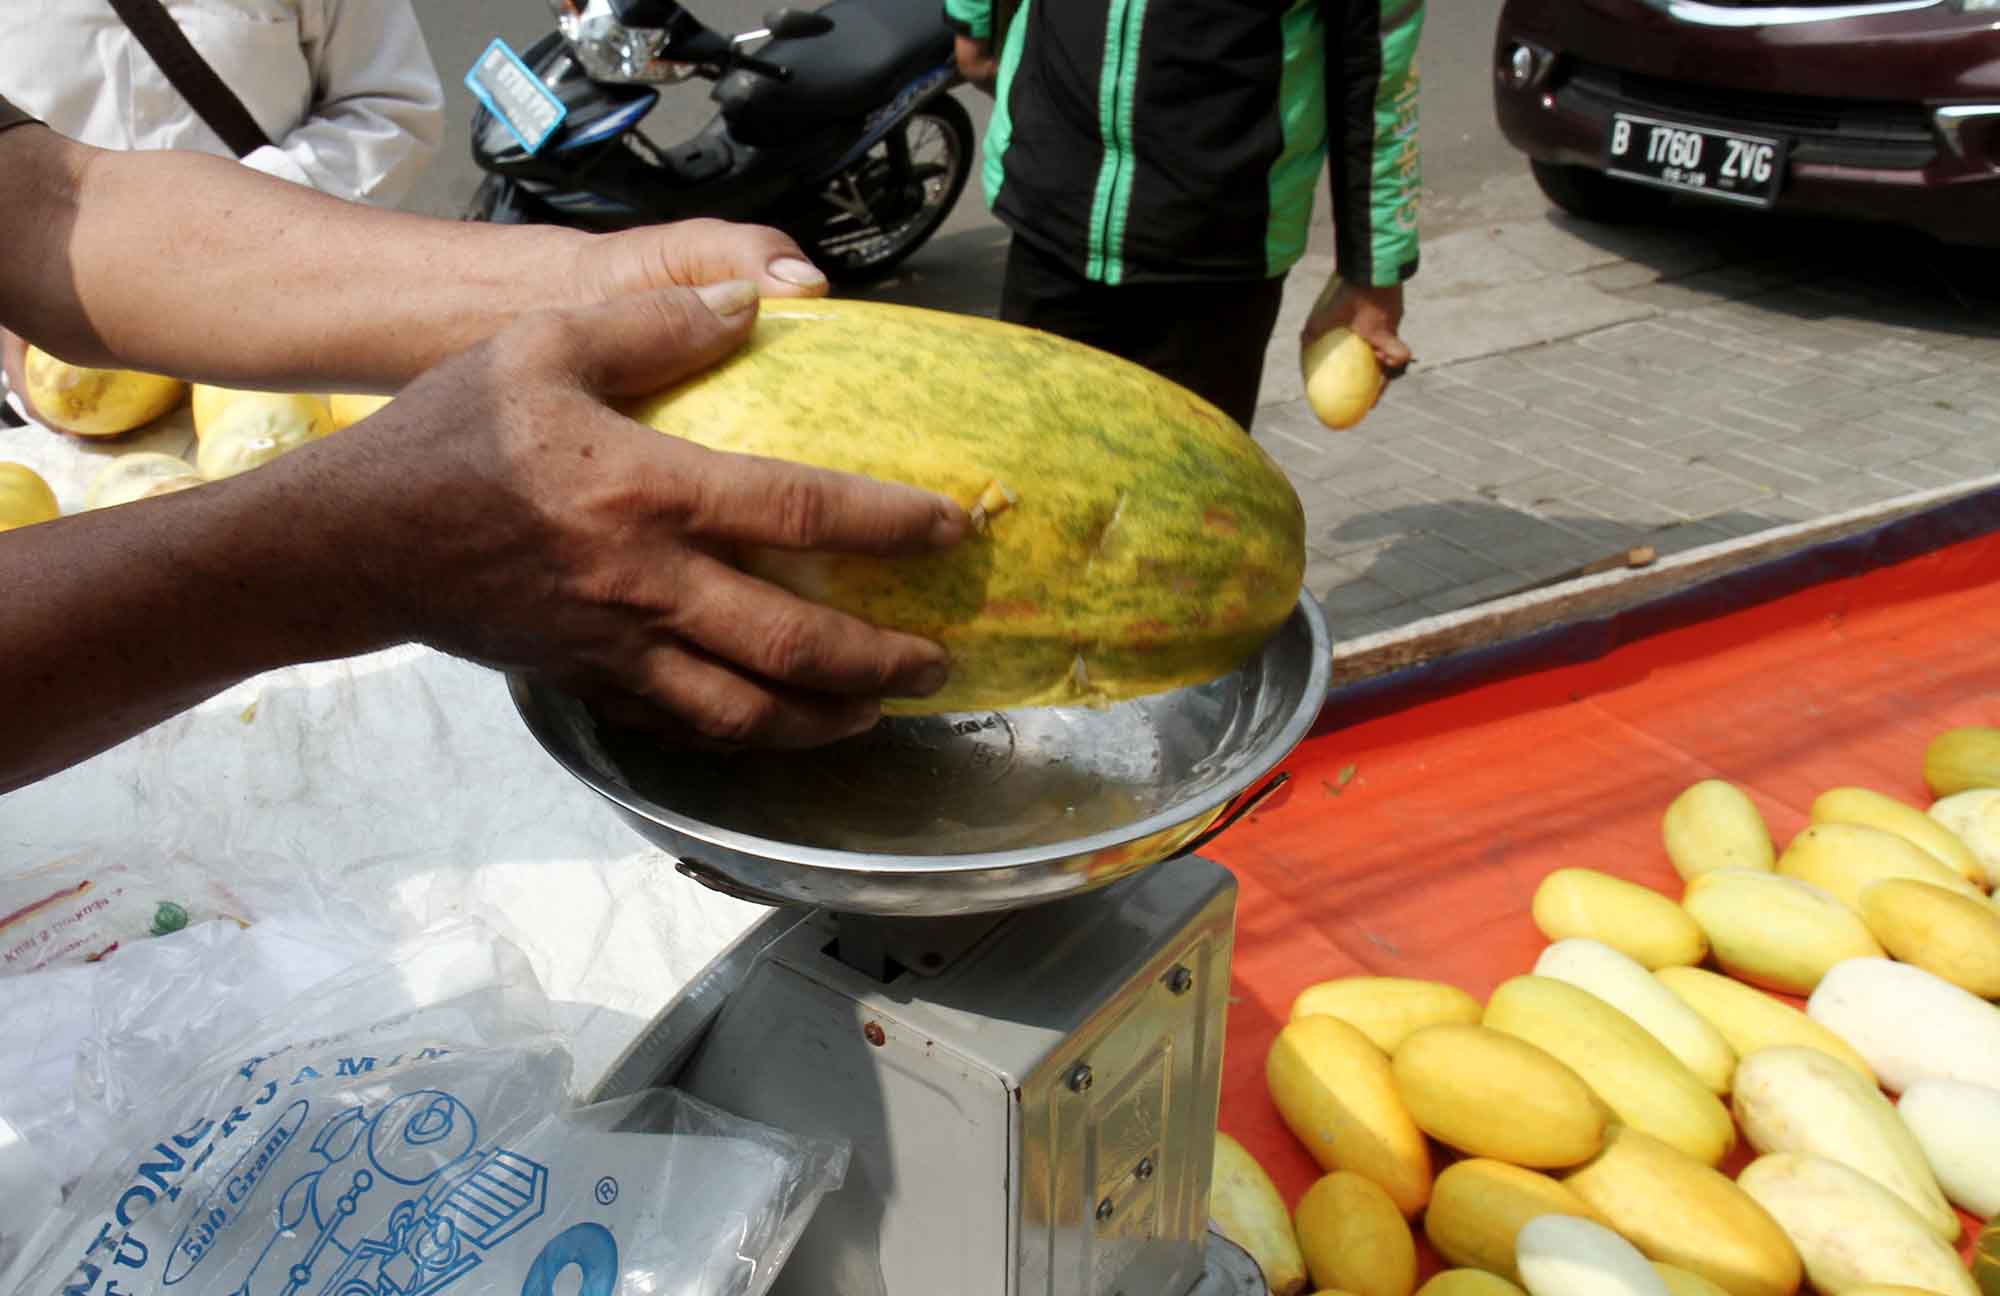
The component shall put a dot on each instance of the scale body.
(1030, 1097)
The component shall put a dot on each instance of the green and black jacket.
(1164, 140)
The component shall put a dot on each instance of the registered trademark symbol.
(607, 1191)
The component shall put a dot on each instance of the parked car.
(1883, 110)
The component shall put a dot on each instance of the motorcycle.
(839, 129)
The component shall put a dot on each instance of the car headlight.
(611, 51)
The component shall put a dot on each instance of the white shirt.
(345, 89)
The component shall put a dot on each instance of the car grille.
(1838, 132)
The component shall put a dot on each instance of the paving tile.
(1722, 383)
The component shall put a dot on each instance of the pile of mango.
(1587, 1115)
(234, 431)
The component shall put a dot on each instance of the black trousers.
(1207, 335)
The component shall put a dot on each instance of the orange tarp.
(1411, 844)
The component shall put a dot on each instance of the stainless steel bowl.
(956, 814)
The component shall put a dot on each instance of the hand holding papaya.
(531, 526)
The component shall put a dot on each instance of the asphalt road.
(1470, 173)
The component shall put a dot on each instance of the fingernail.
(729, 298)
(794, 271)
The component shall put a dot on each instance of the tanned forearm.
(165, 261)
(116, 619)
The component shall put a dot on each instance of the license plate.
(1723, 164)
(515, 95)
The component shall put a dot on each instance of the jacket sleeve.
(1372, 156)
(972, 18)
(377, 116)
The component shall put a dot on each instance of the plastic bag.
(87, 1044)
(81, 907)
(401, 1129)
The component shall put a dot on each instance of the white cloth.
(345, 89)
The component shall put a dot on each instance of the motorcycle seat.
(875, 48)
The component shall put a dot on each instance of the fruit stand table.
(1429, 802)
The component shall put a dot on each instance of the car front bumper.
(1892, 108)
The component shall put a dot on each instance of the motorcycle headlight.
(611, 51)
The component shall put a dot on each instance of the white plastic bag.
(85, 1045)
(401, 1129)
(81, 907)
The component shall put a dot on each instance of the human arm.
(254, 283)
(1373, 168)
(976, 63)
(498, 510)
(376, 116)
(972, 23)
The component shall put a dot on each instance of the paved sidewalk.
(1583, 391)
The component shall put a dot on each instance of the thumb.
(635, 345)
(1392, 351)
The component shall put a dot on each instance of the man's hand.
(976, 62)
(1374, 313)
(688, 254)
(520, 522)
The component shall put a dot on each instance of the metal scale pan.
(957, 814)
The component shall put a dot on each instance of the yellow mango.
(1774, 931)
(1633, 1073)
(1800, 1100)
(1682, 1283)
(1751, 1020)
(1683, 1213)
(1343, 377)
(1973, 816)
(1479, 1205)
(348, 409)
(1468, 1282)
(1354, 1237)
(1627, 986)
(139, 475)
(1872, 809)
(1454, 1079)
(1247, 1209)
(1942, 931)
(1336, 1092)
(25, 498)
(1850, 1230)
(1635, 920)
(1713, 825)
(1842, 858)
(1966, 757)
(1387, 1009)
(257, 427)
(95, 402)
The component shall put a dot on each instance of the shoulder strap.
(190, 74)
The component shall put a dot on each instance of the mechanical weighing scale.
(995, 964)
